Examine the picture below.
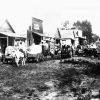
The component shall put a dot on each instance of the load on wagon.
(9, 54)
(34, 52)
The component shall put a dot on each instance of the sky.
(53, 13)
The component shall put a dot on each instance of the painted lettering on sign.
(36, 27)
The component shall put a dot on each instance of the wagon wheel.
(37, 59)
(2, 58)
(13, 60)
(70, 53)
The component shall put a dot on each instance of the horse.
(19, 56)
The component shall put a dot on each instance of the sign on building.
(37, 25)
(77, 33)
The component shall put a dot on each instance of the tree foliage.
(86, 27)
(65, 24)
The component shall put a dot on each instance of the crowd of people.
(87, 50)
(51, 49)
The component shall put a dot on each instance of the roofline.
(37, 19)
(40, 34)
(80, 37)
(58, 32)
(64, 38)
(10, 26)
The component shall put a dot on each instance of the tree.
(86, 28)
(65, 24)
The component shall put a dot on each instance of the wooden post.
(61, 52)
(7, 41)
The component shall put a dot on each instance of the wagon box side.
(7, 59)
(34, 57)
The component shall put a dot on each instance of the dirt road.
(48, 80)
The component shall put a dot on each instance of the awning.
(64, 38)
(11, 34)
(42, 35)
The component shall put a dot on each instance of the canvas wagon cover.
(9, 50)
(34, 49)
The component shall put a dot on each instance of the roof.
(41, 34)
(68, 34)
(20, 25)
(6, 27)
(57, 35)
(7, 30)
(10, 25)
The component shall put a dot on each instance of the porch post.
(7, 41)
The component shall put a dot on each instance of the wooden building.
(35, 32)
(69, 37)
(65, 37)
(78, 37)
(7, 36)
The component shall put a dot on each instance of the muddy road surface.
(51, 80)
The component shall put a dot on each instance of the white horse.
(19, 57)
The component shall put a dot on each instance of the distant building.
(65, 37)
(69, 37)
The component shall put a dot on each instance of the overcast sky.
(52, 12)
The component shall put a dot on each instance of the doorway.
(3, 44)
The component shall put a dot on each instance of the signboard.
(98, 46)
(77, 33)
(37, 25)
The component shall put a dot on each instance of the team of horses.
(19, 55)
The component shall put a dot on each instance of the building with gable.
(35, 33)
(72, 37)
(8, 36)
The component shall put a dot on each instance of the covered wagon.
(9, 54)
(14, 55)
(34, 53)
